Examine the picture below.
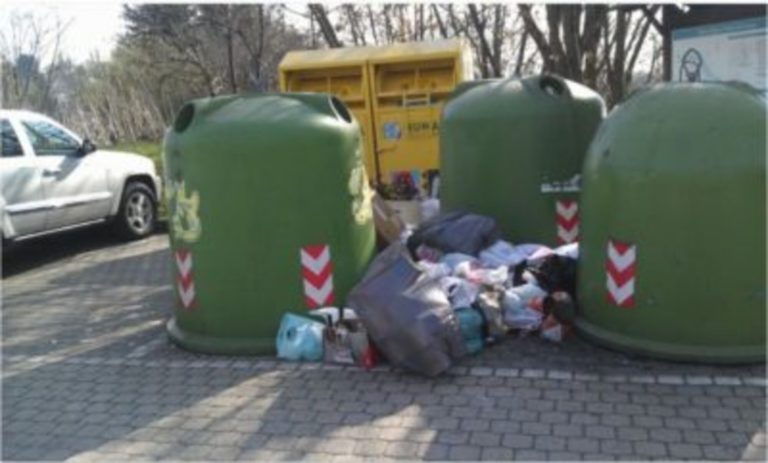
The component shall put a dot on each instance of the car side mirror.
(87, 147)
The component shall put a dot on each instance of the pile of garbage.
(448, 289)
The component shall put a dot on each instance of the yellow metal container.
(342, 72)
(396, 92)
(409, 85)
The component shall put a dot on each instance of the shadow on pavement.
(99, 392)
(37, 252)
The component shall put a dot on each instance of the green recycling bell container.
(270, 212)
(513, 149)
(672, 261)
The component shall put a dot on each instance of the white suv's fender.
(120, 167)
(6, 227)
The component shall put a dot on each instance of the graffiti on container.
(185, 222)
(571, 185)
(361, 192)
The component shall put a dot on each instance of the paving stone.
(536, 429)
(615, 447)
(632, 433)
(583, 444)
(549, 443)
(568, 430)
(522, 399)
(485, 439)
(475, 425)
(504, 426)
(531, 455)
(436, 452)
(564, 456)
(409, 450)
(754, 453)
(679, 423)
(370, 447)
(464, 453)
(685, 451)
(517, 441)
(650, 449)
(453, 437)
(497, 454)
(553, 417)
(444, 423)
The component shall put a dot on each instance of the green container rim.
(669, 351)
(219, 345)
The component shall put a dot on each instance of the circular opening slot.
(340, 109)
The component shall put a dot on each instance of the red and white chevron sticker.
(567, 216)
(185, 283)
(317, 273)
(620, 273)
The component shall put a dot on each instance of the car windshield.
(48, 139)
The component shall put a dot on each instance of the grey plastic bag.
(407, 315)
(455, 232)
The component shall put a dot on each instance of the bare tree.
(321, 16)
(594, 44)
(30, 51)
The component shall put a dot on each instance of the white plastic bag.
(482, 276)
(461, 293)
(433, 270)
(569, 250)
(553, 330)
(430, 207)
(504, 253)
(455, 259)
(524, 318)
(523, 307)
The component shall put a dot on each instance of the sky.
(94, 26)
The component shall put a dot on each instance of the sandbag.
(455, 232)
(407, 315)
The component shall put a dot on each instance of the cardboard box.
(387, 221)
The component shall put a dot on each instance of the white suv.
(53, 180)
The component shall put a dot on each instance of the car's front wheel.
(138, 211)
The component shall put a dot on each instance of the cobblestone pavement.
(88, 374)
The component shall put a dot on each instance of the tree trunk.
(326, 28)
(521, 54)
(440, 23)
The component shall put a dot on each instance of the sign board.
(730, 50)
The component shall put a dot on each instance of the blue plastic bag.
(299, 338)
(471, 325)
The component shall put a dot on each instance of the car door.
(24, 201)
(75, 184)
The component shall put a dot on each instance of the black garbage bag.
(407, 315)
(455, 232)
(553, 273)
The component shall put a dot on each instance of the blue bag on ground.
(299, 338)
(471, 325)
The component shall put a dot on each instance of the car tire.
(137, 215)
